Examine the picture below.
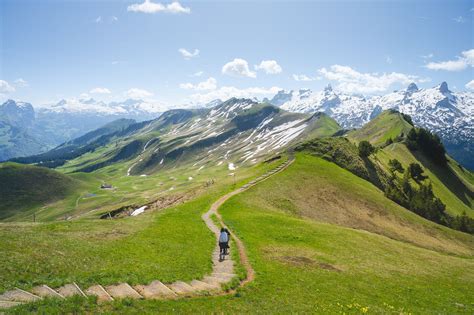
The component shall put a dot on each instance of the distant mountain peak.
(443, 88)
(412, 87)
(328, 88)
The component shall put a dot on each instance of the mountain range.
(448, 114)
(25, 130)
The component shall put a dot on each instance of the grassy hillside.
(306, 264)
(452, 188)
(388, 125)
(25, 187)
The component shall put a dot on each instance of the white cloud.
(136, 93)
(153, 7)
(352, 81)
(100, 90)
(98, 19)
(20, 82)
(5, 87)
(459, 19)
(238, 68)
(227, 92)
(187, 54)
(388, 59)
(470, 85)
(304, 77)
(465, 60)
(209, 84)
(113, 19)
(269, 66)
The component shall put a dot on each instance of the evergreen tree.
(365, 148)
(395, 166)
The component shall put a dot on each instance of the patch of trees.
(421, 200)
(427, 142)
(365, 149)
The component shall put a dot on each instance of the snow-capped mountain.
(438, 109)
(350, 111)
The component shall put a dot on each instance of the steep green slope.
(24, 187)
(451, 183)
(453, 190)
(388, 125)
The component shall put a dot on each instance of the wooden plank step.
(19, 295)
(203, 286)
(45, 291)
(155, 290)
(181, 288)
(70, 289)
(122, 291)
(99, 291)
(8, 304)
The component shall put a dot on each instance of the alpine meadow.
(209, 157)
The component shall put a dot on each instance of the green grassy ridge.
(305, 266)
(25, 187)
(452, 184)
(321, 126)
(388, 125)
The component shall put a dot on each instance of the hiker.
(223, 242)
(228, 239)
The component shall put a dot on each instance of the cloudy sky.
(196, 51)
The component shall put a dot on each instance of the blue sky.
(113, 50)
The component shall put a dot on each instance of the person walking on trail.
(223, 242)
(228, 239)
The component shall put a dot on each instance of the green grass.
(388, 124)
(304, 265)
(158, 245)
(324, 126)
(24, 187)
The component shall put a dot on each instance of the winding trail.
(212, 284)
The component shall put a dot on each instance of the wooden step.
(181, 288)
(155, 290)
(99, 291)
(122, 291)
(69, 290)
(19, 295)
(45, 291)
(203, 286)
(8, 304)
